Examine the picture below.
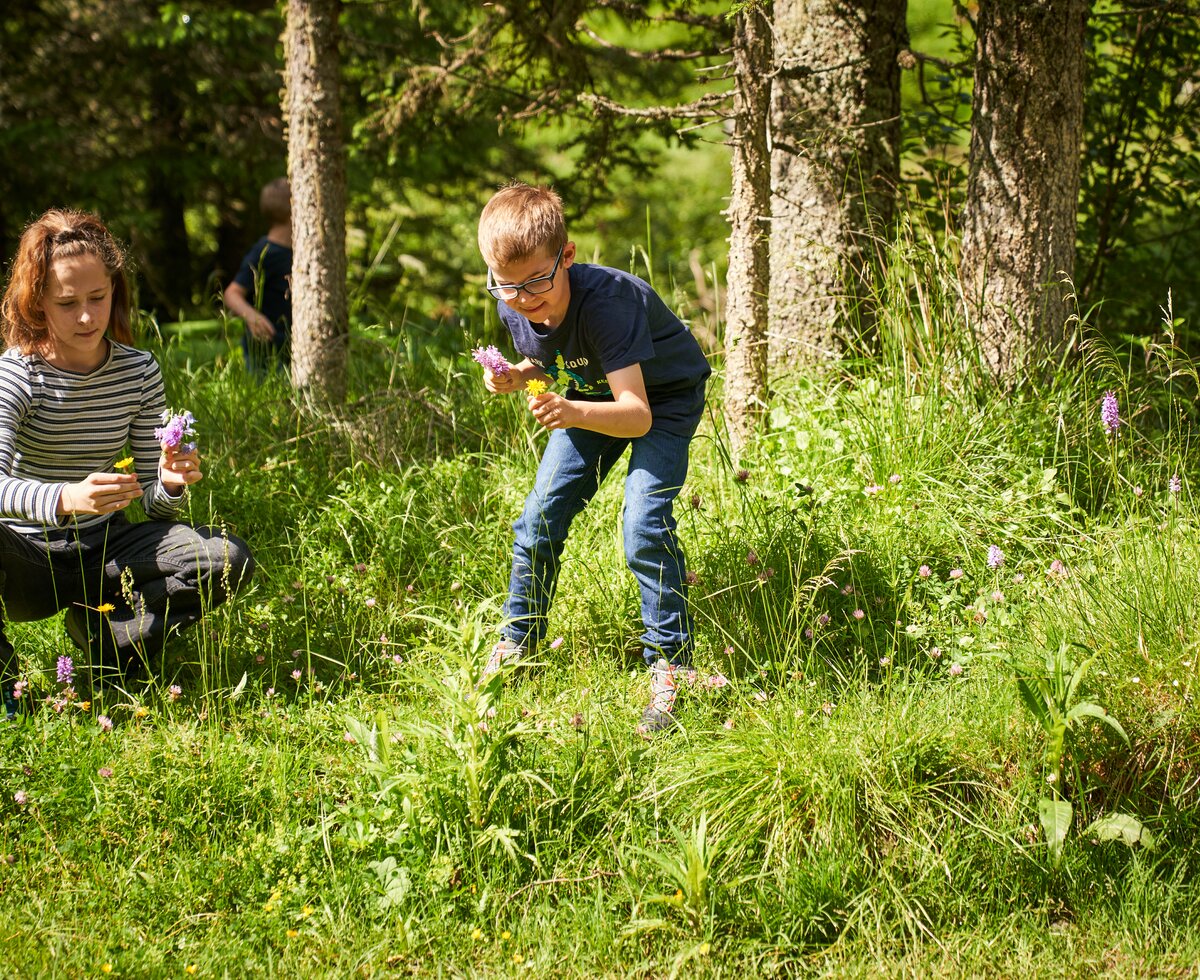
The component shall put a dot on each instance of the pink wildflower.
(556, 643)
(924, 571)
(491, 359)
(104, 772)
(955, 669)
(105, 723)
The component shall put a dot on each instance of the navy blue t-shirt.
(266, 275)
(616, 320)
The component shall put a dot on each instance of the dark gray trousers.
(157, 575)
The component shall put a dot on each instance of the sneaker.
(665, 679)
(95, 639)
(505, 653)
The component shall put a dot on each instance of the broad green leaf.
(1089, 710)
(1056, 821)
(1121, 826)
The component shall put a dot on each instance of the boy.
(635, 379)
(261, 291)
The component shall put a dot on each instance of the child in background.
(73, 394)
(635, 379)
(261, 292)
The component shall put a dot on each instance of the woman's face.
(77, 305)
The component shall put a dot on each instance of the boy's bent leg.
(160, 575)
(573, 466)
(657, 470)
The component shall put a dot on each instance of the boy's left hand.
(177, 470)
(553, 411)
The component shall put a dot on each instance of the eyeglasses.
(534, 287)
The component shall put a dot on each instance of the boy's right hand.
(504, 384)
(100, 493)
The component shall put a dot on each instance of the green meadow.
(943, 722)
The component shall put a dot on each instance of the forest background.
(916, 585)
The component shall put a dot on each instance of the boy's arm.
(627, 416)
(237, 301)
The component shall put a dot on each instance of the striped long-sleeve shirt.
(58, 427)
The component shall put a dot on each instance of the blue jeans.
(158, 575)
(575, 463)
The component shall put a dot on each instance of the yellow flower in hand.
(535, 387)
(124, 464)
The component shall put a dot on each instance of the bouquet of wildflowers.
(491, 359)
(176, 427)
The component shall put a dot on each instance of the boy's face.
(548, 308)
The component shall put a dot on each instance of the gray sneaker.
(665, 679)
(504, 654)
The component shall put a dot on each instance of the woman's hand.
(553, 411)
(100, 493)
(177, 470)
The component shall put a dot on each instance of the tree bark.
(749, 207)
(1019, 224)
(317, 170)
(835, 163)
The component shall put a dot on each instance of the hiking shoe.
(665, 679)
(504, 653)
(94, 637)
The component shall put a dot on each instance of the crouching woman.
(75, 396)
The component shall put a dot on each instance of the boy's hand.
(100, 493)
(177, 470)
(260, 327)
(504, 384)
(553, 411)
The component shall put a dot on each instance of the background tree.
(165, 119)
(316, 168)
(1019, 222)
(749, 211)
(835, 165)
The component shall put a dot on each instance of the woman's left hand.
(177, 470)
(553, 411)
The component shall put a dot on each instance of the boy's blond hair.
(275, 201)
(518, 222)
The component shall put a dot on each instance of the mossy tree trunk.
(749, 210)
(1019, 224)
(835, 164)
(317, 170)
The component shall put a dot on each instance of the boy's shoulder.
(602, 284)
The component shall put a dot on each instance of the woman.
(74, 394)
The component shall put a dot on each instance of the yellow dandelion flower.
(190, 969)
(105, 607)
(518, 958)
(535, 387)
(269, 907)
(106, 968)
(307, 910)
(506, 935)
(124, 464)
(704, 948)
(477, 933)
(141, 711)
(292, 933)
(84, 705)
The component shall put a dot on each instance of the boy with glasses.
(634, 379)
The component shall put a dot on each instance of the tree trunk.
(317, 170)
(835, 164)
(749, 208)
(1019, 223)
